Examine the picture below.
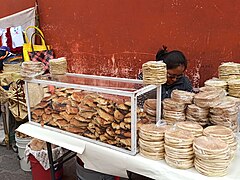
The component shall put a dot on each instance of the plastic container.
(39, 173)
(24, 164)
(21, 144)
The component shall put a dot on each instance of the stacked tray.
(178, 148)
(151, 141)
(197, 114)
(223, 133)
(212, 156)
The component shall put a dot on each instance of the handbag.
(27, 45)
(43, 55)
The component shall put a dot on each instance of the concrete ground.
(10, 167)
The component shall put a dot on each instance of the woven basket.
(3, 96)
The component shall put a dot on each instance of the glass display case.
(97, 109)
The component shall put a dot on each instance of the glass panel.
(98, 116)
(110, 84)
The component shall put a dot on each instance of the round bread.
(197, 111)
(171, 105)
(173, 115)
(176, 163)
(154, 72)
(217, 131)
(208, 99)
(208, 88)
(151, 143)
(178, 150)
(152, 155)
(154, 129)
(209, 144)
(178, 136)
(182, 96)
(152, 149)
(205, 170)
(150, 137)
(216, 83)
(151, 103)
(190, 126)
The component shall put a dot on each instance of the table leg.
(5, 125)
(51, 163)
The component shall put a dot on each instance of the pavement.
(10, 167)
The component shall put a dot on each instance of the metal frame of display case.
(133, 95)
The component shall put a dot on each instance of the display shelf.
(117, 90)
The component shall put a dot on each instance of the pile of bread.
(151, 141)
(215, 82)
(37, 145)
(228, 78)
(58, 66)
(150, 107)
(87, 114)
(212, 156)
(178, 148)
(174, 108)
(234, 88)
(228, 71)
(154, 72)
(31, 69)
(22, 135)
(210, 106)
(187, 144)
(12, 68)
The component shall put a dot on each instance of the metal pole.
(158, 110)
(5, 125)
(51, 163)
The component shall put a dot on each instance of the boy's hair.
(172, 59)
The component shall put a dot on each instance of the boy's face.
(174, 75)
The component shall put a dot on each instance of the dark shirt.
(182, 84)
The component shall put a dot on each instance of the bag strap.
(42, 40)
(31, 27)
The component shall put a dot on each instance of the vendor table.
(109, 161)
(5, 117)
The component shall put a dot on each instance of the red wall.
(115, 37)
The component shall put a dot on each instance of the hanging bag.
(43, 55)
(27, 46)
